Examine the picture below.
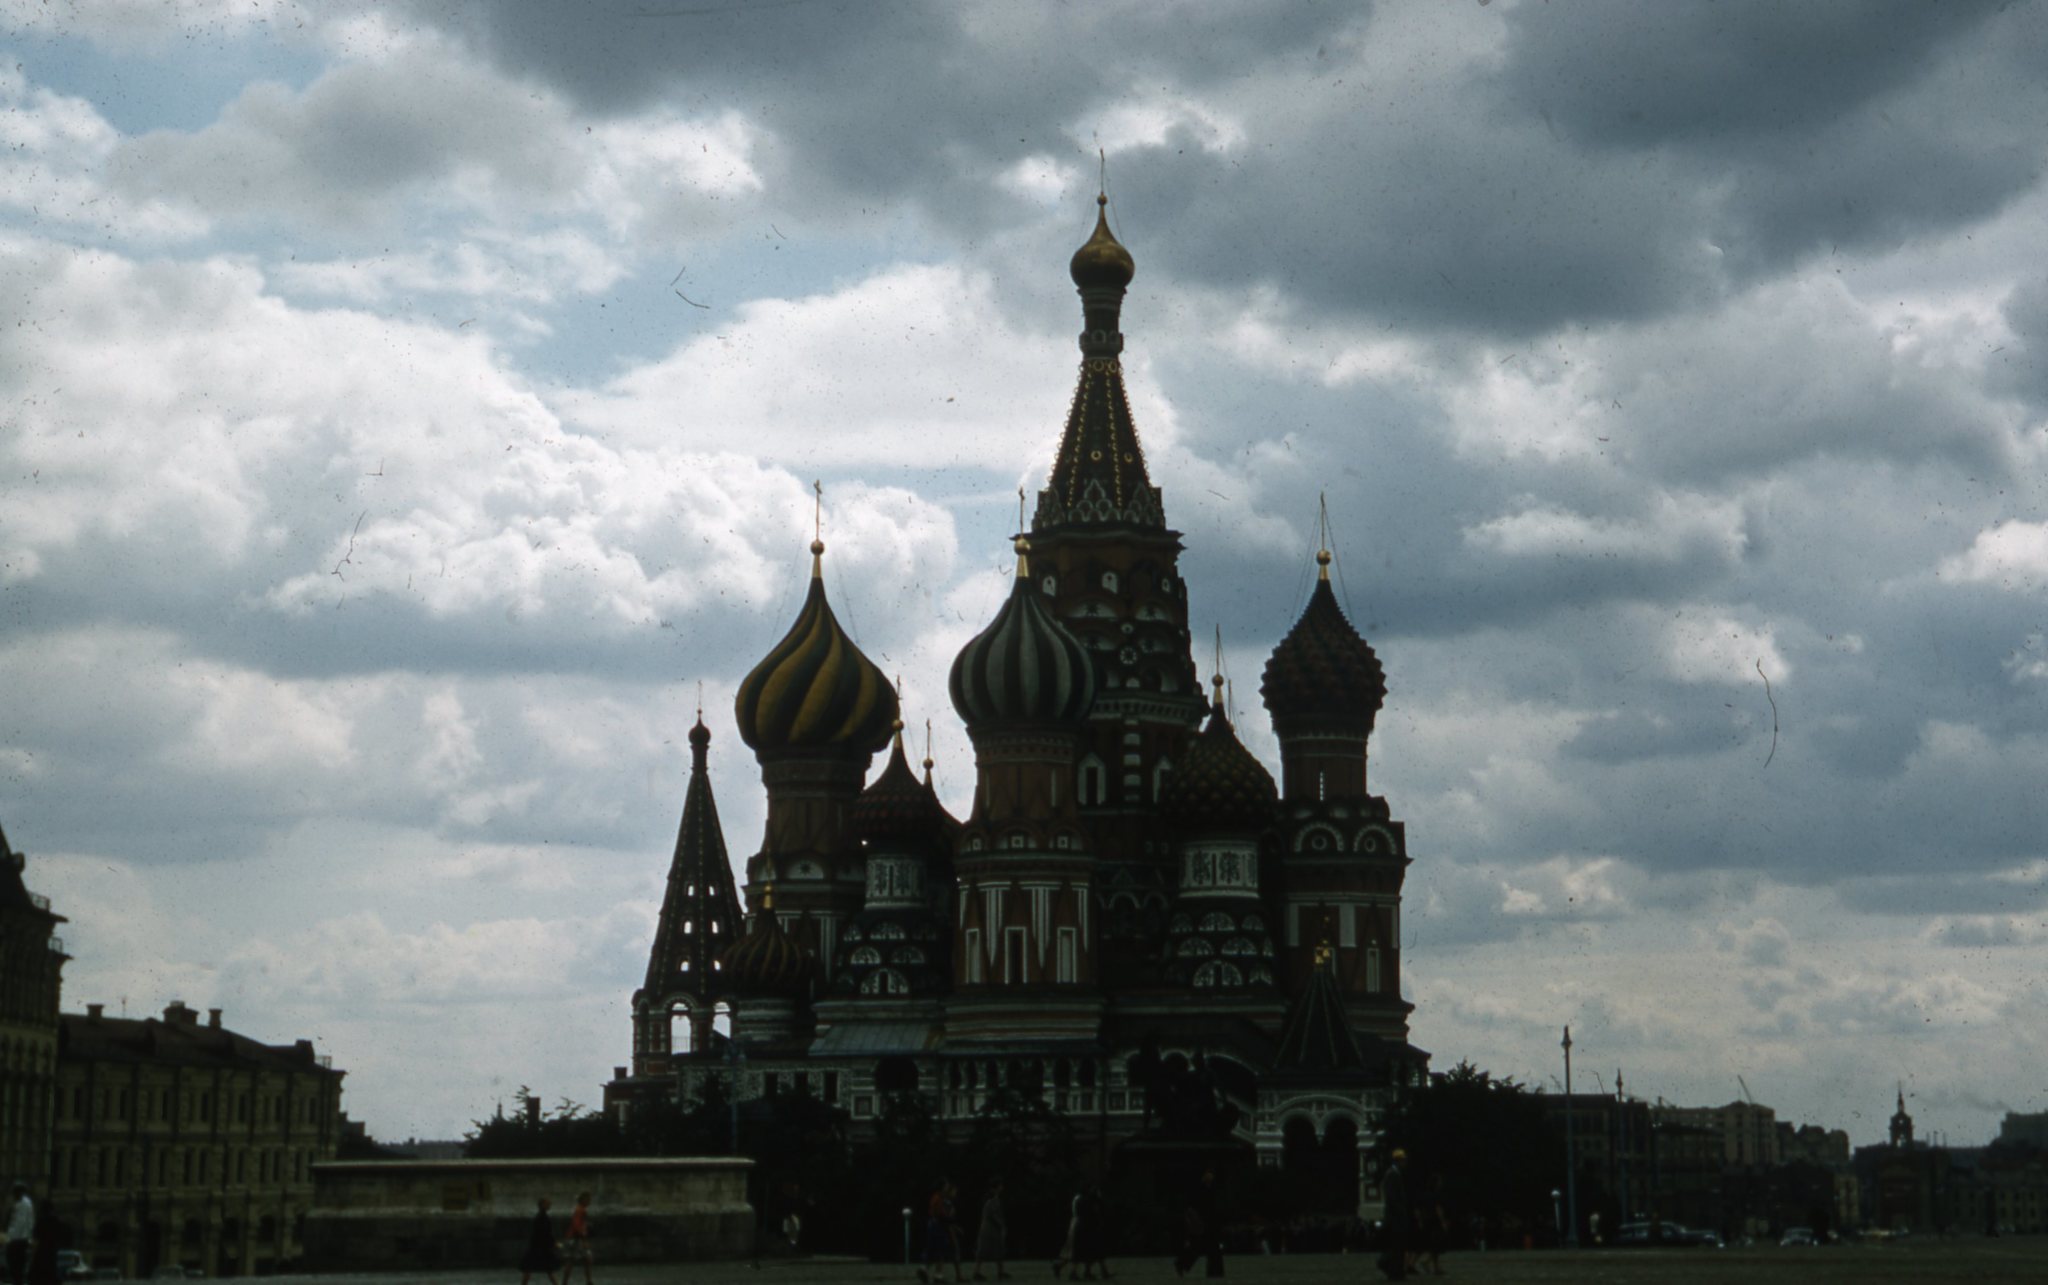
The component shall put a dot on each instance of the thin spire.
(927, 752)
(1023, 548)
(1020, 510)
(818, 525)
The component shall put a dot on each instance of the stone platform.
(438, 1215)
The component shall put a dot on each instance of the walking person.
(52, 1234)
(1393, 1261)
(578, 1244)
(540, 1255)
(941, 1235)
(1093, 1242)
(21, 1234)
(992, 1241)
(1201, 1229)
(1070, 1252)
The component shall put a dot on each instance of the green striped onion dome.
(1025, 668)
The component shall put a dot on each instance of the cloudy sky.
(404, 409)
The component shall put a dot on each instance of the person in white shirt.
(21, 1230)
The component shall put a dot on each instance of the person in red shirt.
(577, 1247)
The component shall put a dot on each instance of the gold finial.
(927, 751)
(1023, 548)
(1020, 510)
(700, 700)
(768, 901)
(1322, 536)
(1323, 953)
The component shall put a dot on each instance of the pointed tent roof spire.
(1099, 477)
(700, 912)
(1317, 1035)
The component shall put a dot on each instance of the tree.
(569, 1130)
(1487, 1143)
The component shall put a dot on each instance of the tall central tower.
(1109, 565)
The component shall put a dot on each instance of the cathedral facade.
(1132, 897)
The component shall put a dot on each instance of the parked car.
(1668, 1234)
(1799, 1236)
(71, 1266)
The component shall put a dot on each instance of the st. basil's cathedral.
(1130, 891)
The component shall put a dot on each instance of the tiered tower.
(700, 919)
(1220, 803)
(1345, 857)
(814, 711)
(1104, 554)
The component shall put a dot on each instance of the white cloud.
(2012, 554)
(1711, 646)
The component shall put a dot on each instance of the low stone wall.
(395, 1215)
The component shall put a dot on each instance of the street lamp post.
(1557, 1213)
(1571, 1179)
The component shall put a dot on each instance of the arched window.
(884, 981)
(1109, 581)
(1218, 922)
(1160, 772)
(1094, 782)
(864, 956)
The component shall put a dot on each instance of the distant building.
(181, 1143)
(31, 966)
(2024, 1129)
(1748, 1132)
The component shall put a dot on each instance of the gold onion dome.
(1323, 673)
(1217, 786)
(815, 690)
(1102, 260)
(898, 807)
(767, 961)
(1026, 667)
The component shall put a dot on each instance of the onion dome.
(1323, 672)
(1102, 261)
(898, 808)
(767, 961)
(1026, 667)
(1217, 786)
(815, 690)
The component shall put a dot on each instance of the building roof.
(700, 911)
(179, 1038)
(815, 690)
(1323, 671)
(1317, 1037)
(14, 893)
(1026, 668)
(899, 809)
(1218, 786)
(1098, 477)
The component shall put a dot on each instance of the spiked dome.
(1323, 672)
(898, 807)
(815, 690)
(1218, 787)
(1026, 668)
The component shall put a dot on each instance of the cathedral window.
(1160, 772)
(907, 955)
(1347, 926)
(1013, 956)
(1240, 946)
(884, 981)
(1218, 922)
(1195, 948)
(1372, 968)
(1051, 584)
(1094, 781)
(1109, 581)
(1069, 960)
(864, 956)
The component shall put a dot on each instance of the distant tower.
(700, 918)
(1345, 856)
(1902, 1124)
(900, 945)
(1221, 805)
(31, 963)
(1024, 955)
(1107, 561)
(814, 711)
